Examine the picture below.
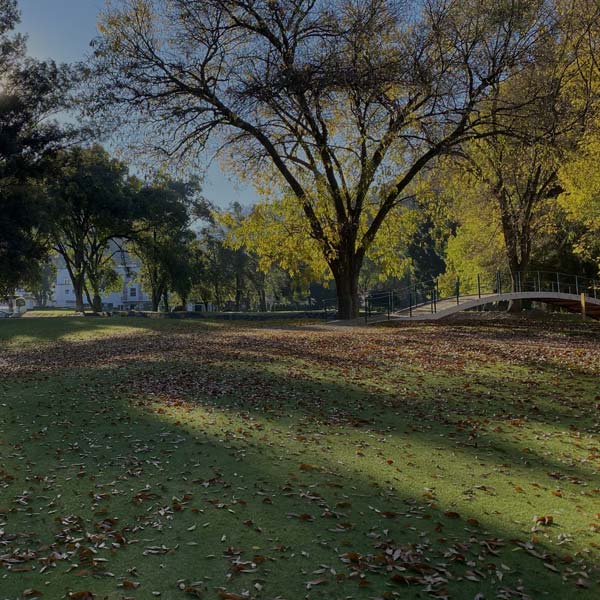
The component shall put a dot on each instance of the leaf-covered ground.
(182, 459)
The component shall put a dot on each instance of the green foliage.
(40, 282)
(163, 239)
(241, 264)
(276, 231)
(340, 106)
(30, 94)
(93, 203)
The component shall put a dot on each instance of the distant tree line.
(390, 141)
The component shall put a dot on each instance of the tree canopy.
(344, 102)
(31, 94)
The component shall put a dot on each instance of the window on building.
(132, 292)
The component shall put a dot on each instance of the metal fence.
(427, 296)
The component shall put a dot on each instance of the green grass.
(277, 460)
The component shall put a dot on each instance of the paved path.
(450, 306)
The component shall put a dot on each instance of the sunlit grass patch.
(290, 462)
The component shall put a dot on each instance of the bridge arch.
(423, 301)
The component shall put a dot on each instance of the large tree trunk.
(262, 300)
(78, 291)
(156, 296)
(94, 299)
(517, 238)
(518, 275)
(238, 292)
(97, 303)
(346, 272)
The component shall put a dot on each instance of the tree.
(92, 201)
(516, 168)
(102, 278)
(476, 247)
(515, 185)
(519, 175)
(32, 92)
(346, 101)
(214, 279)
(163, 239)
(580, 199)
(40, 282)
(578, 174)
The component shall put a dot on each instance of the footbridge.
(431, 301)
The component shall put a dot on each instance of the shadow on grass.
(210, 463)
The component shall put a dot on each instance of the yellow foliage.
(580, 178)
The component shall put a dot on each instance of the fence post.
(539, 281)
(392, 294)
(457, 290)
(498, 283)
(479, 285)
(389, 305)
(577, 285)
(366, 310)
(594, 286)
(558, 282)
(435, 297)
(410, 302)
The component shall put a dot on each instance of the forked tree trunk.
(96, 299)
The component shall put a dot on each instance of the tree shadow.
(272, 460)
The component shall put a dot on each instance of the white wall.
(131, 295)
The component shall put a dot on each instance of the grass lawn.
(179, 459)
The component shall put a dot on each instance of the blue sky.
(62, 30)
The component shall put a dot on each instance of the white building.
(130, 296)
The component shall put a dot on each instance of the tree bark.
(238, 292)
(78, 291)
(97, 303)
(518, 274)
(156, 295)
(345, 272)
(79, 302)
(262, 300)
(94, 298)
